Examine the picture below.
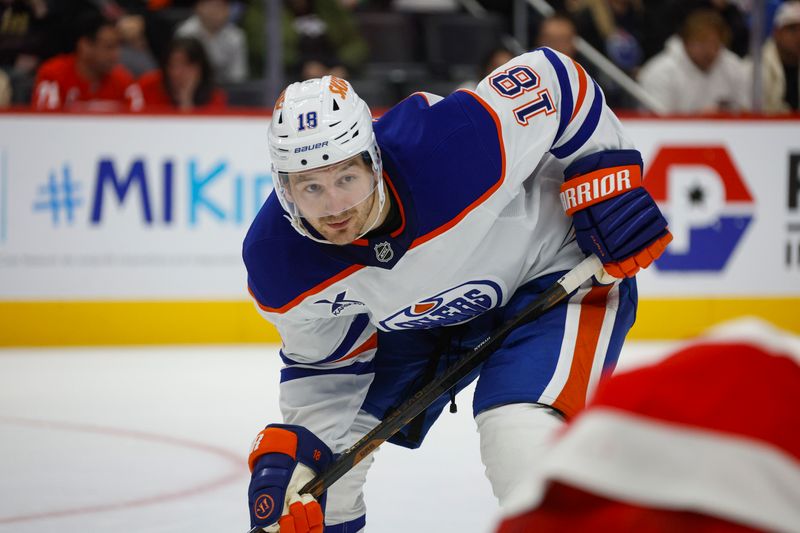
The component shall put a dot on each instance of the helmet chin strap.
(381, 203)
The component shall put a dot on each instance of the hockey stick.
(421, 400)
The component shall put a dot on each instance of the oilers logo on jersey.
(447, 308)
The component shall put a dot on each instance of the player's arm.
(549, 107)
(327, 372)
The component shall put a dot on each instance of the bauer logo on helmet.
(310, 147)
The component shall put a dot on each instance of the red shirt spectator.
(155, 94)
(186, 80)
(89, 78)
(59, 85)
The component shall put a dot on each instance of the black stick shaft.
(420, 401)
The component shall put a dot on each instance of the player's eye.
(312, 188)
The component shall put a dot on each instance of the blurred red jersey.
(60, 86)
(156, 96)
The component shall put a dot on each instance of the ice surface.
(107, 440)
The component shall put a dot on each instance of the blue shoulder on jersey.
(281, 263)
(441, 161)
(448, 154)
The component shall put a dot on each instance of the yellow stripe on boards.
(686, 318)
(230, 322)
(139, 322)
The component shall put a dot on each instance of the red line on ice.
(238, 463)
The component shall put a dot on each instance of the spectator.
(665, 18)
(695, 73)
(614, 27)
(90, 77)
(320, 37)
(225, 43)
(558, 32)
(497, 57)
(24, 43)
(185, 81)
(736, 19)
(780, 61)
(135, 54)
(706, 441)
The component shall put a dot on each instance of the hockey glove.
(614, 216)
(283, 459)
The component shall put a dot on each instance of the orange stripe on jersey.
(399, 230)
(319, 288)
(370, 344)
(441, 229)
(593, 309)
(273, 440)
(582, 85)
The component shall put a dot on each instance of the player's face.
(213, 14)
(788, 40)
(338, 201)
(559, 35)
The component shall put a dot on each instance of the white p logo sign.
(696, 197)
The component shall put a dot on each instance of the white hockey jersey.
(476, 176)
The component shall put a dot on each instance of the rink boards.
(127, 229)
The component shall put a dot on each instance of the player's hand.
(624, 228)
(282, 460)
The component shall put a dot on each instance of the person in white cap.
(695, 72)
(780, 61)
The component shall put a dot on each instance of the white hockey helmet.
(315, 124)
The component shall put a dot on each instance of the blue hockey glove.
(282, 460)
(614, 216)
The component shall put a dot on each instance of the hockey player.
(388, 249)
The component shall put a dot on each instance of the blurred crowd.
(689, 56)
